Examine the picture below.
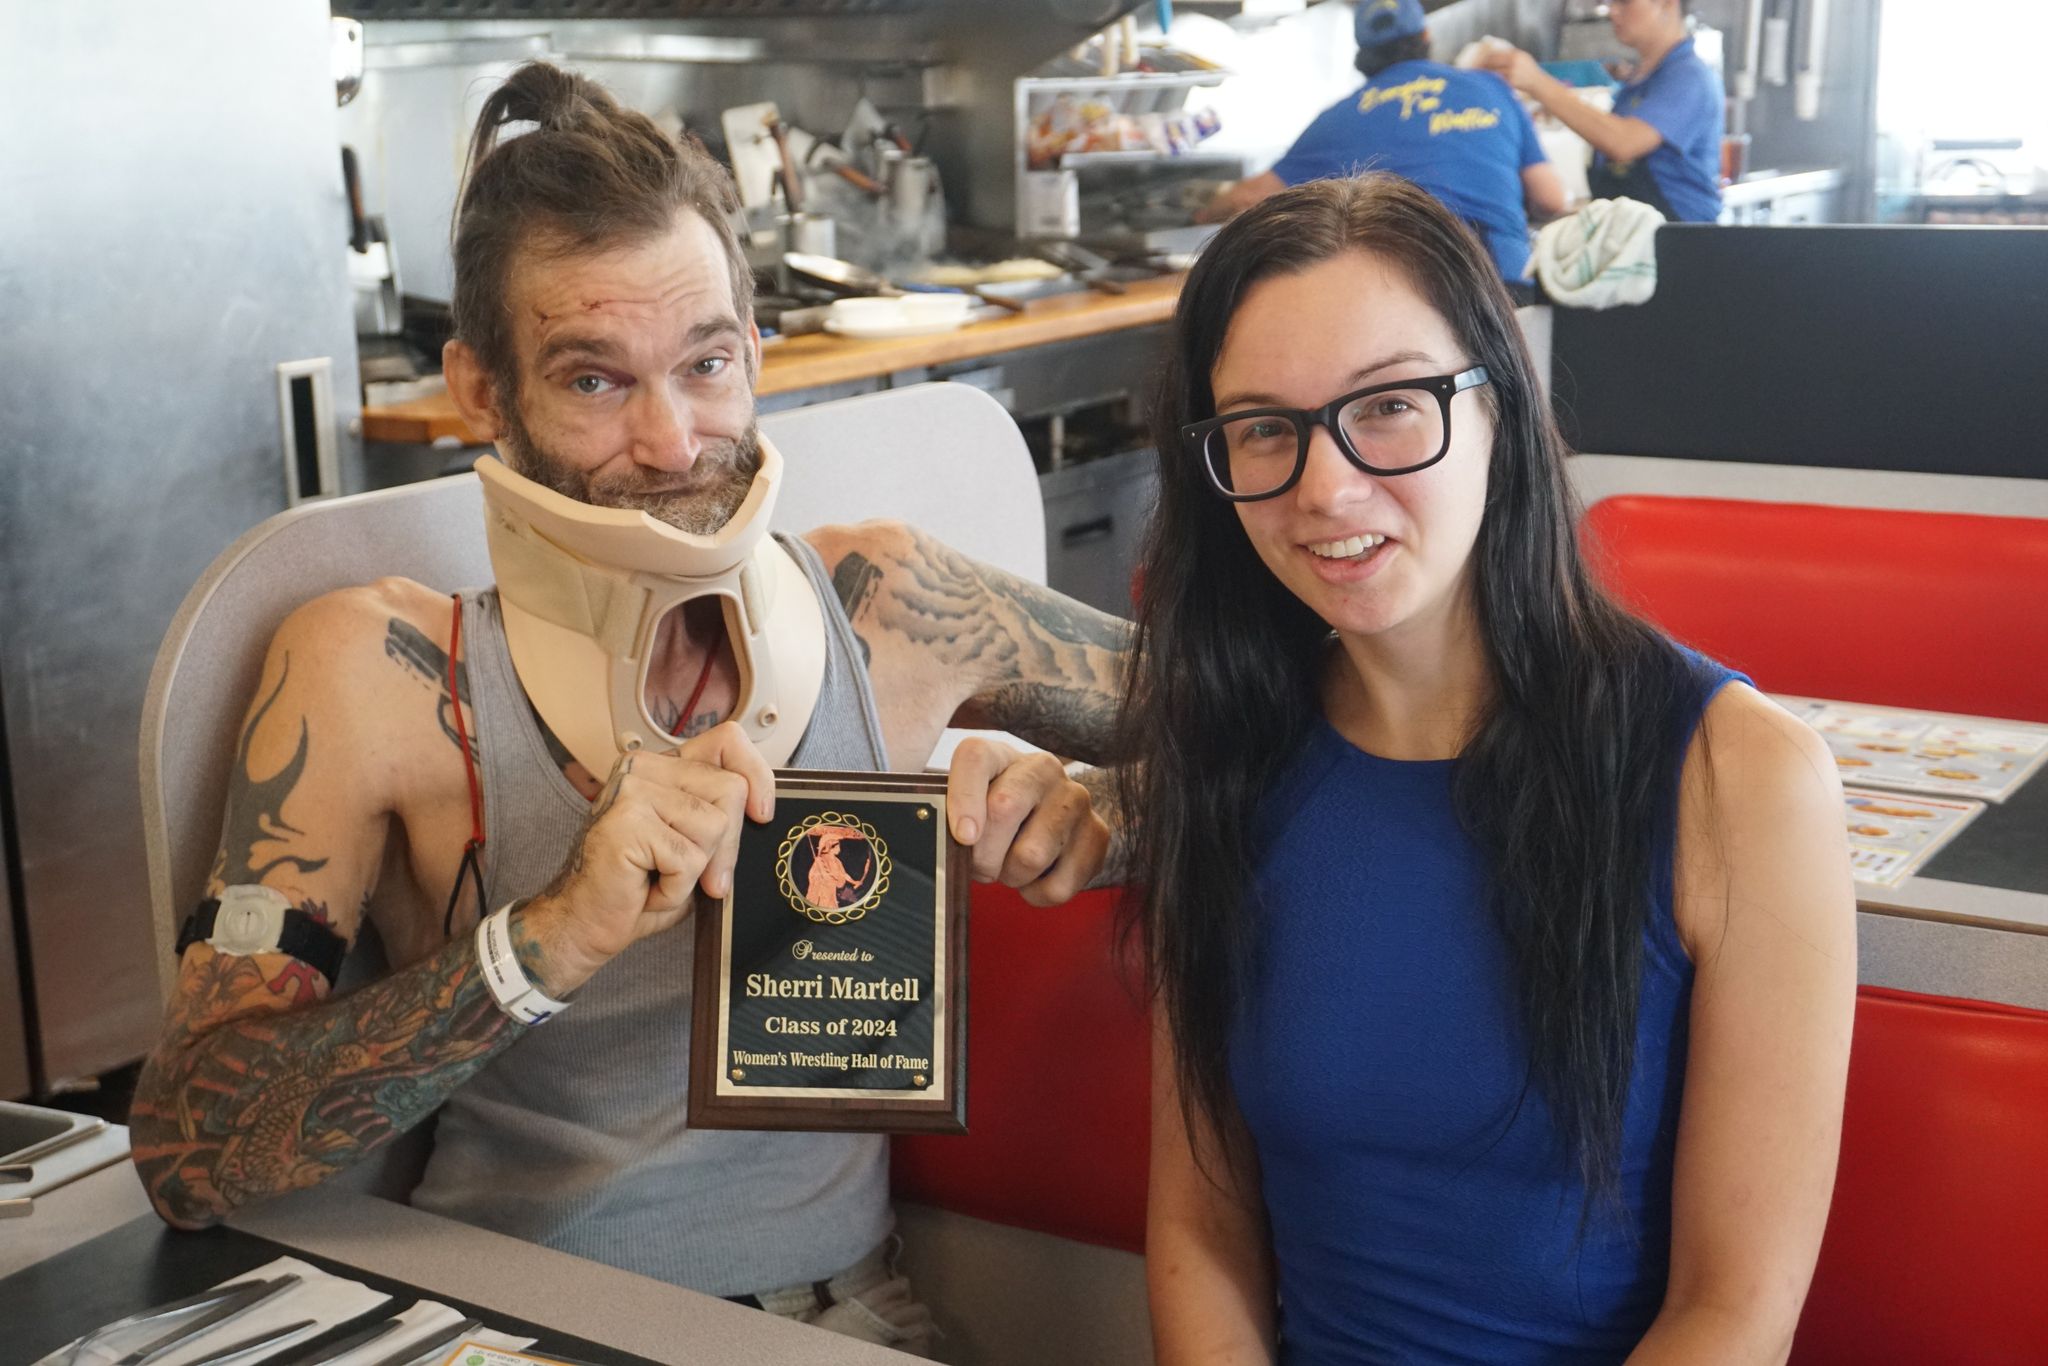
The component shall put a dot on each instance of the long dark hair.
(1579, 741)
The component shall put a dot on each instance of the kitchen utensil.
(226, 1309)
(1001, 301)
(430, 1351)
(823, 156)
(362, 1337)
(840, 274)
(859, 279)
(911, 181)
(751, 151)
(810, 234)
(161, 1311)
(859, 179)
(352, 183)
(372, 264)
(249, 1344)
(1082, 264)
(792, 179)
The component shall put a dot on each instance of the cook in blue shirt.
(1662, 143)
(1461, 135)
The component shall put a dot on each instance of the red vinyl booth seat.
(1059, 1075)
(1945, 611)
(1937, 1243)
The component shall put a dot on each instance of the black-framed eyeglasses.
(1395, 428)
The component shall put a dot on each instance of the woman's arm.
(1620, 137)
(1208, 1257)
(1766, 910)
(1543, 191)
(1233, 200)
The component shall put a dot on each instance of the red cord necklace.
(697, 693)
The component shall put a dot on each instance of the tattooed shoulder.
(1014, 653)
(423, 661)
(256, 837)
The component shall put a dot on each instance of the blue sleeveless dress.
(1422, 1205)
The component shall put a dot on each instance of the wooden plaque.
(831, 984)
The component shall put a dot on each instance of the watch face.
(247, 924)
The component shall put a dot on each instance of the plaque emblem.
(833, 867)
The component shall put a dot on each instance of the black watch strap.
(302, 937)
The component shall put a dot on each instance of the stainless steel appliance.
(177, 361)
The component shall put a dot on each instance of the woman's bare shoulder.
(1760, 819)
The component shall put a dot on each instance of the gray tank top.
(574, 1136)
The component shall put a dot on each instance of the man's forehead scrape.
(682, 270)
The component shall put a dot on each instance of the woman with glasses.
(1503, 949)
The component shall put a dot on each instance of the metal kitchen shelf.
(1079, 161)
(1136, 92)
(1121, 87)
(1074, 161)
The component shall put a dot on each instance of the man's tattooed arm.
(854, 581)
(1041, 666)
(1104, 796)
(260, 1084)
(240, 1100)
(256, 807)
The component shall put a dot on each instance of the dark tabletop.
(145, 1263)
(2005, 846)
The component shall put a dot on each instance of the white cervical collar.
(584, 590)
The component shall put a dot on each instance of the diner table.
(1972, 921)
(93, 1251)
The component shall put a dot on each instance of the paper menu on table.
(1915, 752)
(1890, 835)
(424, 1326)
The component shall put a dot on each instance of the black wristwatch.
(247, 920)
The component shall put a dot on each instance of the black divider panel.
(1863, 347)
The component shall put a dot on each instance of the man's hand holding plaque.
(1026, 823)
(666, 826)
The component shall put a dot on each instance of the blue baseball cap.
(1384, 21)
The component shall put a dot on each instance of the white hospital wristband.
(511, 988)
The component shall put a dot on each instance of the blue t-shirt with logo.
(1682, 100)
(1461, 135)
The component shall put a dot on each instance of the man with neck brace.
(606, 719)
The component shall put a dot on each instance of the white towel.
(1601, 256)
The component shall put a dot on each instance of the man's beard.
(699, 502)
